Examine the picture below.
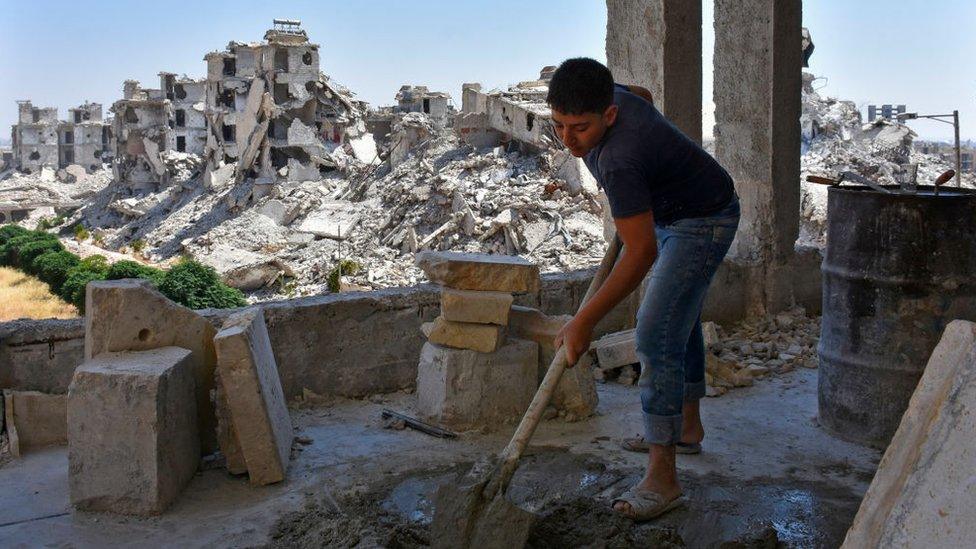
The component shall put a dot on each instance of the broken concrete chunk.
(130, 315)
(463, 389)
(34, 420)
(132, 431)
(922, 493)
(252, 389)
(484, 338)
(710, 335)
(477, 307)
(334, 219)
(616, 350)
(499, 273)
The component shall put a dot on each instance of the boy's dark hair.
(581, 85)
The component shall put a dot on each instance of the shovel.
(475, 513)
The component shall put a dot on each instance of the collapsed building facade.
(497, 117)
(40, 140)
(437, 105)
(264, 106)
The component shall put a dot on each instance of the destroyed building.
(420, 99)
(518, 114)
(269, 107)
(142, 129)
(39, 139)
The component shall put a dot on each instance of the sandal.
(638, 444)
(645, 504)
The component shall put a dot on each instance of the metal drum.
(898, 268)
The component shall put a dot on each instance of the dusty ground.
(768, 476)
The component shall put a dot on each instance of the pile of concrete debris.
(28, 198)
(835, 139)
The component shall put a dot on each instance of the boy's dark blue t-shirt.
(644, 163)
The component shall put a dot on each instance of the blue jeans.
(669, 335)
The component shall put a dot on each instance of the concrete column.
(757, 130)
(657, 44)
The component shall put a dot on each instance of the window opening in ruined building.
(310, 86)
(226, 98)
(36, 115)
(77, 117)
(229, 133)
(181, 143)
(281, 93)
(281, 60)
(230, 66)
(426, 106)
(69, 156)
(180, 118)
(529, 121)
(35, 155)
(97, 153)
(307, 58)
(278, 129)
(180, 91)
(69, 137)
(105, 135)
(130, 116)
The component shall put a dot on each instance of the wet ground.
(768, 477)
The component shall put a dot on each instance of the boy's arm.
(640, 92)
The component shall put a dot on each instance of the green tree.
(198, 286)
(132, 269)
(53, 266)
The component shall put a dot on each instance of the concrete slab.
(483, 272)
(484, 338)
(806, 487)
(34, 420)
(923, 492)
(463, 389)
(252, 389)
(132, 431)
(130, 315)
(616, 350)
(477, 307)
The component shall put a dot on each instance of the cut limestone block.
(477, 307)
(616, 350)
(34, 420)
(132, 431)
(576, 393)
(497, 273)
(462, 389)
(226, 433)
(250, 384)
(484, 338)
(130, 315)
(923, 492)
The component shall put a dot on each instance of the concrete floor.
(765, 465)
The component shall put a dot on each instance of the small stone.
(756, 370)
(715, 391)
(786, 357)
(710, 335)
(484, 338)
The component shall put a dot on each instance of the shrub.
(9, 231)
(81, 233)
(73, 290)
(52, 267)
(346, 267)
(198, 286)
(138, 245)
(30, 251)
(20, 250)
(132, 269)
(50, 222)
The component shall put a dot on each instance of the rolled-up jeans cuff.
(663, 430)
(694, 391)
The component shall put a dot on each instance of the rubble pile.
(835, 139)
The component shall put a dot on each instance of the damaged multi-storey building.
(436, 105)
(272, 111)
(40, 140)
(519, 114)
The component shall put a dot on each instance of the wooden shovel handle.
(511, 454)
(822, 180)
(945, 177)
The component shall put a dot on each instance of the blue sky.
(60, 53)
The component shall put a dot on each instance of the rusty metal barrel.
(897, 268)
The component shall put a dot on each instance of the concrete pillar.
(657, 44)
(757, 131)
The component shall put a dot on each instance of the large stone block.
(498, 273)
(250, 384)
(463, 389)
(130, 315)
(477, 307)
(484, 338)
(923, 492)
(576, 393)
(34, 420)
(616, 350)
(132, 431)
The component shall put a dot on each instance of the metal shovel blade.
(464, 518)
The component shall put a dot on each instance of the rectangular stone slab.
(476, 307)
(923, 492)
(462, 389)
(251, 386)
(132, 431)
(35, 420)
(616, 350)
(131, 315)
(483, 272)
(484, 338)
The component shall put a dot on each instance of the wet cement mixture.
(571, 495)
